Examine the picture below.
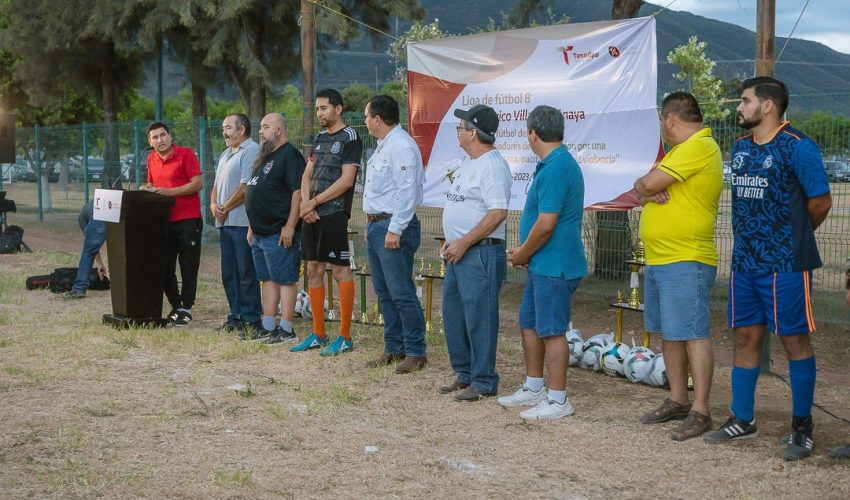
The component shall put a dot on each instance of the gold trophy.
(640, 255)
(634, 299)
(364, 319)
(621, 299)
(430, 269)
(421, 266)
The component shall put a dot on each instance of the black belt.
(489, 241)
(377, 217)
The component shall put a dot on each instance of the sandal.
(695, 424)
(669, 410)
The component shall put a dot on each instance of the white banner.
(602, 76)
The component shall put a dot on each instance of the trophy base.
(123, 323)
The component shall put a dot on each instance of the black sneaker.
(800, 443)
(172, 315)
(732, 429)
(74, 294)
(181, 317)
(281, 336)
(260, 335)
(230, 326)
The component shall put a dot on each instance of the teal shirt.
(558, 187)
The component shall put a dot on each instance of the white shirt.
(478, 185)
(394, 179)
(234, 168)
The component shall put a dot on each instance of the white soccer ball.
(612, 359)
(575, 345)
(656, 374)
(636, 363)
(306, 309)
(592, 352)
(602, 337)
(300, 297)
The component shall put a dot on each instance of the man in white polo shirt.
(474, 252)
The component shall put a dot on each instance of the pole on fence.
(136, 154)
(38, 172)
(202, 157)
(85, 162)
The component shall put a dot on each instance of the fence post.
(202, 158)
(38, 172)
(86, 162)
(136, 155)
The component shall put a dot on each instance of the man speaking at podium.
(174, 171)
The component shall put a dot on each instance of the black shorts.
(326, 240)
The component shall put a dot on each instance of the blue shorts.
(783, 301)
(675, 300)
(275, 262)
(546, 303)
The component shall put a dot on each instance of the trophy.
(621, 299)
(419, 281)
(634, 299)
(430, 269)
(640, 254)
(421, 266)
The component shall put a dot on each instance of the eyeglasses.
(461, 127)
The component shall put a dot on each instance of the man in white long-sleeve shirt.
(394, 180)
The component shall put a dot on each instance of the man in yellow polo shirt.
(680, 200)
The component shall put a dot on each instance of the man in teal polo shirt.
(551, 249)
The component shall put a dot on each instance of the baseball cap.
(482, 117)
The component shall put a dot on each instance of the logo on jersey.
(336, 147)
(768, 162)
(738, 161)
(268, 167)
(253, 181)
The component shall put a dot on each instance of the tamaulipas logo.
(568, 49)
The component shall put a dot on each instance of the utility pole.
(308, 36)
(158, 100)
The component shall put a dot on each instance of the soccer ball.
(575, 345)
(602, 337)
(656, 374)
(592, 352)
(612, 359)
(300, 298)
(636, 363)
(306, 309)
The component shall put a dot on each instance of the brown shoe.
(669, 410)
(473, 394)
(695, 424)
(454, 386)
(411, 364)
(386, 358)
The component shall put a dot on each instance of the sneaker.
(801, 441)
(732, 429)
(548, 409)
(180, 317)
(840, 452)
(338, 346)
(230, 326)
(523, 397)
(74, 294)
(172, 315)
(311, 342)
(281, 336)
(260, 335)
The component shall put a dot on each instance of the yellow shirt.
(683, 229)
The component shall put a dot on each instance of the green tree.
(697, 73)
(355, 97)
(416, 33)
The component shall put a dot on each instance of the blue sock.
(744, 392)
(803, 373)
(286, 324)
(268, 323)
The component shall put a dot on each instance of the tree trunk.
(257, 109)
(109, 93)
(625, 9)
(199, 111)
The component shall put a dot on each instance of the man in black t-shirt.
(272, 198)
(328, 187)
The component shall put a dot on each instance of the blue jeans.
(94, 235)
(471, 314)
(404, 323)
(676, 300)
(238, 276)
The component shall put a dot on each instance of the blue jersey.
(771, 186)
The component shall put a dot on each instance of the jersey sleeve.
(496, 185)
(807, 164)
(690, 160)
(246, 164)
(352, 152)
(191, 165)
(294, 168)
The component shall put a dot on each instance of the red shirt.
(175, 170)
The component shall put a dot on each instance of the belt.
(489, 241)
(377, 217)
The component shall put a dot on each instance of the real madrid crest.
(335, 148)
(768, 162)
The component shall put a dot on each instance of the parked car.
(727, 171)
(50, 166)
(15, 171)
(837, 170)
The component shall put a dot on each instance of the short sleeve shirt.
(478, 185)
(268, 194)
(331, 152)
(682, 229)
(234, 169)
(176, 170)
(558, 187)
(771, 186)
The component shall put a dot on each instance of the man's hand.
(308, 206)
(220, 213)
(250, 237)
(392, 241)
(454, 251)
(103, 271)
(286, 235)
(517, 258)
(311, 216)
(660, 197)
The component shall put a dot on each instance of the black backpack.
(12, 239)
(63, 279)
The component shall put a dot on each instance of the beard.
(749, 124)
(267, 146)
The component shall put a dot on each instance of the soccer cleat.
(732, 429)
(548, 409)
(312, 341)
(338, 346)
(800, 443)
(523, 397)
(281, 336)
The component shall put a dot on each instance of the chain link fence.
(58, 168)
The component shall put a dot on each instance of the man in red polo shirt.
(174, 171)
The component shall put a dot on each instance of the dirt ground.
(89, 411)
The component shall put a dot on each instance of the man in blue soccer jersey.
(780, 195)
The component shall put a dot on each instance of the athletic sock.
(286, 325)
(803, 373)
(534, 383)
(744, 392)
(346, 307)
(317, 304)
(559, 397)
(268, 323)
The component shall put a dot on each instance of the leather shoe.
(385, 359)
(411, 364)
(454, 386)
(473, 394)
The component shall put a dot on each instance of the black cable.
(819, 407)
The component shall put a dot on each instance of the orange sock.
(317, 304)
(346, 307)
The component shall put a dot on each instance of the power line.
(788, 38)
(314, 2)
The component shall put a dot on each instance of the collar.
(389, 134)
(554, 154)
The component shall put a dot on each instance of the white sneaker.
(523, 397)
(548, 409)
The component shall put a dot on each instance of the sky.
(824, 21)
